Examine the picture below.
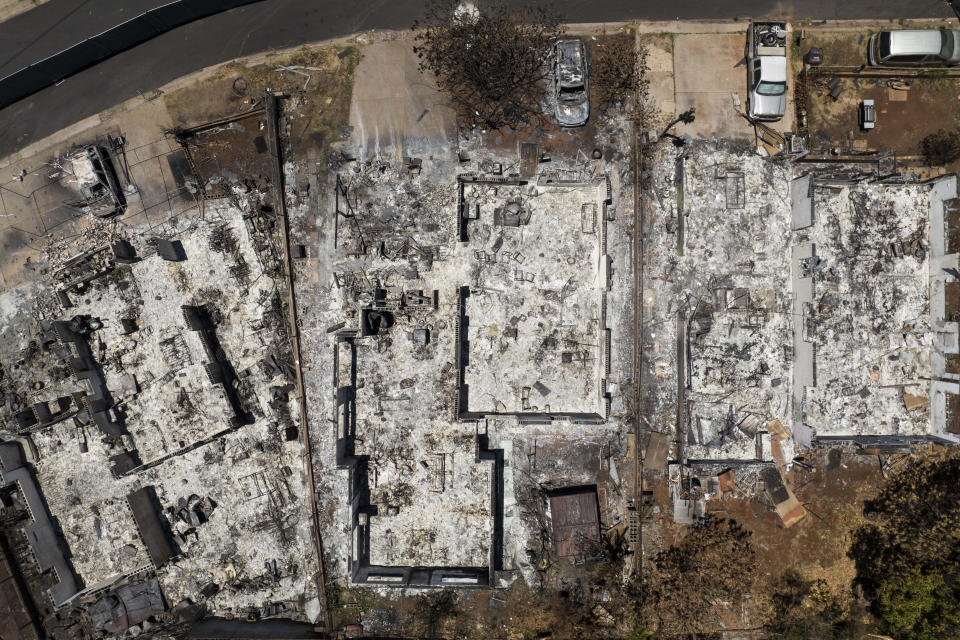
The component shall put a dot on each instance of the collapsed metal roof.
(575, 520)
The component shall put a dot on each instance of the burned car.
(570, 82)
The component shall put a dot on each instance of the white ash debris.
(718, 271)
(255, 545)
(870, 317)
(244, 542)
(734, 291)
(432, 496)
(91, 507)
(537, 300)
(398, 234)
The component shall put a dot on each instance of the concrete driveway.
(709, 68)
(394, 105)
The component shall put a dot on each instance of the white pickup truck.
(767, 70)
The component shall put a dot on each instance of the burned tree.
(618, 66)
(940, 148)
(687, 583)
(915, 523)
(908, 555)
(802, 608)
(491, 63)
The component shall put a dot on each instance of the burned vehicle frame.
(571, 87)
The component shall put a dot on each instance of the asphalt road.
(59, 24)
(277, 24)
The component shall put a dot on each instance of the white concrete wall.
(947, 337)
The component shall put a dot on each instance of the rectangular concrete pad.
(801, 203)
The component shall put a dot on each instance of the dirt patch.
(905, 113)
(232, 155)
(516, 613)
(907, 109)
(833, 494)
(840, 48)
(318, 82)
(816, 548)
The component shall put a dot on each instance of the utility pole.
(272, 111)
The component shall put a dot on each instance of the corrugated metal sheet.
(16, 622)
(128, 605)
(658, 449)
(145, 508)
(786, 504)
(575, 519)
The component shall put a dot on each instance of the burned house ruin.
(139, 381)
(814, 307)
(48, 547)
(491, 305)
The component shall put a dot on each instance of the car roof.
(906, 42)
(571, 64)
(773, 68)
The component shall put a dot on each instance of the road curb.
(736, 25)
(107, 115)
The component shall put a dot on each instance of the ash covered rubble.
(466, 318)
(869, 318)
(719, 291)
(792, 306)
(90, 170)
(148, 382)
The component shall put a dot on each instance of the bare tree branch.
(491, 63)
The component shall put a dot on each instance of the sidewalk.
(11, 8)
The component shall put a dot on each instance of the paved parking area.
(707, 73)
(393, 103)
(660, 71)
(708, 70)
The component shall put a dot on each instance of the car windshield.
(571, 93)
(771, 88)
(884, 48)
(946, 50)
(570, 75)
